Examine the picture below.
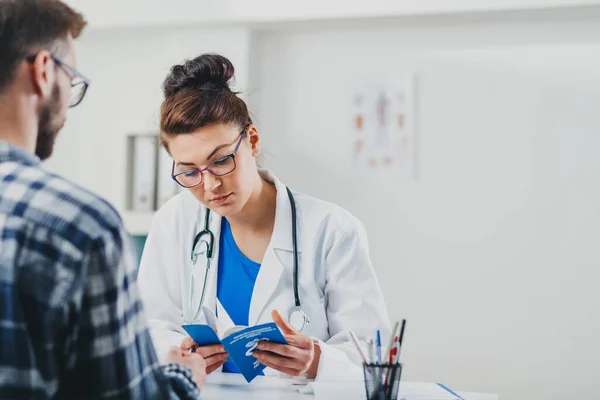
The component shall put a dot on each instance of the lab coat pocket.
(316, 312)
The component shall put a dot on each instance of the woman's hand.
(214, 355)
(301, 356)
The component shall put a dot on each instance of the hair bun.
(205, 72)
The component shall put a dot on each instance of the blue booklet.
(239, 342)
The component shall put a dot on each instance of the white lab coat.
(338, 288)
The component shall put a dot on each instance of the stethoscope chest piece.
(299, 320)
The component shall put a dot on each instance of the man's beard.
(49, 125)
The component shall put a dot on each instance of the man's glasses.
(79, 83)
(222, 166)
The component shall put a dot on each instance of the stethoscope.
(298, 319)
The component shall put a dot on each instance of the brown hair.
(27, 26)
(197, 94)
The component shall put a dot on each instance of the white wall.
(492, 252)
(127, 68)
(113, 13)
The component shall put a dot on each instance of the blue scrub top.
(235, 282)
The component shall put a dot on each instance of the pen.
(379, 376)
(356, 343)
(393, 339)
(394, 351)
(390, 361)
(379, 360)
(371, 349)
(397, 360)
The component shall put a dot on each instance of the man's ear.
(254, 139)
(43, 73)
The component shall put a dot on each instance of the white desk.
(232, 386)
(221, 386)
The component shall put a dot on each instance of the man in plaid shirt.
(71, 321)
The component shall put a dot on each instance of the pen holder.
(382, 381)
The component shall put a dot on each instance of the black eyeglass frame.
(207, 168)
(73, 72)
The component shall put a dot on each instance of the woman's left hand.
(299, 356)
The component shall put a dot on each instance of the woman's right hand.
(214, 355)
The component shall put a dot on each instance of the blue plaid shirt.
(71, 320)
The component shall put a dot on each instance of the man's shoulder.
(44, 198)
(81, 206)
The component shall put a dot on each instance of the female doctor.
(240, 248)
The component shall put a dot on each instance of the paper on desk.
(356, 391)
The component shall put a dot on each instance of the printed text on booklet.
(239, 342)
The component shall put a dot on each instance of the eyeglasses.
(79, 83)
(222, 166)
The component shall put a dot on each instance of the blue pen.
(379, 346)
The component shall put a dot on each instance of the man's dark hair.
(28, 26)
